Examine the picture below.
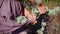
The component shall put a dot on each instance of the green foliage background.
(52, 3)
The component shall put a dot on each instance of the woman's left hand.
(42, 9)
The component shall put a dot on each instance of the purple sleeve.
(9, 10)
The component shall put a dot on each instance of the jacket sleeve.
(8, 13)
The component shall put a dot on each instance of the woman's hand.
(42, 8)
(31, 17)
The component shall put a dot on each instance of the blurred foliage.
(57, 27)
(52, 3)
(53, 26)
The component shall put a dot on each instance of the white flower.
(21, 19)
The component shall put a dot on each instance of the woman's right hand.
(31, 17)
